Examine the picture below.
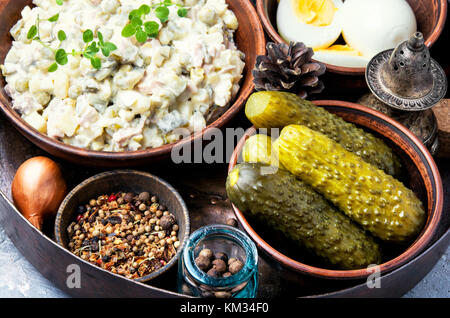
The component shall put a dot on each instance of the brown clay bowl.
(420, 174)
(249, 37)
(430, 15)
(126, 181)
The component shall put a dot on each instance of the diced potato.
(42, 98)
(197, 75)
(165, 36)
(61, 84)
(41, 84)
(62, 121)
(21, 84)
(110, 6)
(16, 29)
(36, 121)
(207, 15)
(127, 78)
(230, 20)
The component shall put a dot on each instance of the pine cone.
(288, 68)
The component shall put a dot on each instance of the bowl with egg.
(345, 35)
(117, 83)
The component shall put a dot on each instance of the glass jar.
(219, 239)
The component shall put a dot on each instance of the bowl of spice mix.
(127, 222)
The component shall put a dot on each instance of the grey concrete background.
(18, 278)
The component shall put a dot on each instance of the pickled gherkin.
(258, 148)
(279, 109)
(377, 201)
(291, 206)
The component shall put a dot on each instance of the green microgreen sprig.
(149, 29)
(61, 56)
(136, 26)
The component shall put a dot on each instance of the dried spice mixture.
(125, 233)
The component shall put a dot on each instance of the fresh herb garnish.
(150, 29)
(61, 56)
(136, 26)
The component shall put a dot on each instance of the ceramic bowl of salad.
(113, 83)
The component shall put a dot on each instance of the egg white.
(291, 28)
(373, 26)
(340, 59)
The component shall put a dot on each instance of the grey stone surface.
(436, 283)
(18, 278)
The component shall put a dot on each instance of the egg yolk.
(342, 49)
(315, 12)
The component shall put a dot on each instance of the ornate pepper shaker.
(406, 83)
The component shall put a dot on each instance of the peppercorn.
(219, 265)
(213, 272)
(235, 267)
(206, 252)
(144, 196)
(167, 221)
(128, 197)
(231, 260)
(203, 262)
(221, 256)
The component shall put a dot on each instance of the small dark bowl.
(430, 16)
(421, 176)
(129, 181)
(249, 39)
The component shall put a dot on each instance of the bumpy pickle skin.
(378, 202)
(291, 206)
(270, 109)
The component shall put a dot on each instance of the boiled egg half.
(342, 55)
(316, 23)
(367, 26)
(374, 26)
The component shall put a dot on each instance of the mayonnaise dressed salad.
(135, 94)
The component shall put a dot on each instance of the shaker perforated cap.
(407, 78)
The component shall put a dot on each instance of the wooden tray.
(203, 189)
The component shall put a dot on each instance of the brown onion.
(38, 189)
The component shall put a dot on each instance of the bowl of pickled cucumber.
(333, 189)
